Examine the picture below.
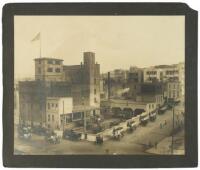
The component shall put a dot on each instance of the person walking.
(160, 125)
(156, 143)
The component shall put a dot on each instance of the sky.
(118, 41)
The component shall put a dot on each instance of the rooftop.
(48, 58)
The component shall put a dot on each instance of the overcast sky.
(118, 41)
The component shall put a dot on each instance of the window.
(57, 70)
(52, 118)
(149, 106)
(49, 118)
(95, 91)
(48, 105)
(50, 62)
(95, 81)
(52, 104)
(77, 115)
(56, 105)
(50, 69)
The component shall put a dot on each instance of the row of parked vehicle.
(25, 132)
(144, 117)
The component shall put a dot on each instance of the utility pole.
(63, 118)
(84, 120)
(172, 144)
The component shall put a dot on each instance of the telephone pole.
(172, 144)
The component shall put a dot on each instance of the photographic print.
(99, 85)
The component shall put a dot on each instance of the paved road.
(133, 143)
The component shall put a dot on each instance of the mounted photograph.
(99, 85)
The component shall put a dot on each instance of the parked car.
(24, 132)
(114, 123)
(99, 139)
(118, 133)
(97, 129)
(152, 115)
(132, 125)
(53, 139)
(71, 135)
(39, 130)
(162, 109)
(144, 118)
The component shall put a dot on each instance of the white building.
(58, 111)
(167, 73)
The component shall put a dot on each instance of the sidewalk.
(164, 146)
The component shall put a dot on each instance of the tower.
(92, 78)
(48, 69)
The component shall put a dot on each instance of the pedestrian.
(156, 143)
(107, 151)
(160, 125)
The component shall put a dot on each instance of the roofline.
(47, 58)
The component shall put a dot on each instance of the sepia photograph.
(99, 85)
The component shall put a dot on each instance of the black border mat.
(101, 161)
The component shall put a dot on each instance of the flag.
(37, 37)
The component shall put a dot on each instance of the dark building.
(147, 92)
(53, 79)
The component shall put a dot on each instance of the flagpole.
(40, 44)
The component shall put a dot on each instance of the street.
(135, 143)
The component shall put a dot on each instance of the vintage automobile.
(118, 133)
(144, 118)
(97, 129)
(114, 123)
(25, 132)
(132, 125)
(52, 138)
(99, 139)
(162, 109)
(39, 130)
(153, 115)
(71, 135)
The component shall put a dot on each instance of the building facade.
(48, 69)
(58, 112)
(78, 86)
(173, 90)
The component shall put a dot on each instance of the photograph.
(99, 85)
